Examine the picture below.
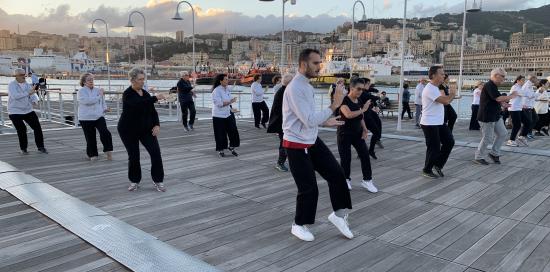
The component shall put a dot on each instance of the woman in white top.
(224, 123)
(91, 115)
(474, 125)
(259, 107)
(515, 110)
(541, 107)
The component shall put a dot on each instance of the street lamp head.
(177, 16)
(364, 19)
(92, 30)
(475, 7)
(129, 24)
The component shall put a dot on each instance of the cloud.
(423, 10)
(158, 14)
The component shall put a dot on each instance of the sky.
(251, 17)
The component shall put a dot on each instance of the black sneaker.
(438, 171)
(429, 175)
(232, 149)
(258, 127)
(373, 155)
(545, 131)
(495, 159)
(191, 127)
(481, 162)
(43, 150)
(221, 154)
(24, 152)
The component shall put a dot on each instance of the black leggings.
(131, 140)
(374, 125)
(518, 117)
(31, 119)
(282, 150)
(303, 165)
(89, 128)
(542, 121)
(527, 121)
(225, 128)
(261, 113)
(474, 124)
(345, 141)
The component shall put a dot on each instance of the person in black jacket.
(185, 97)
(139, 122)
(372, 120)
(276, 121)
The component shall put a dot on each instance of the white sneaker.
(511, 143)
(302, 232)
(348, 181)
(341, 224)
(522, 141)
(369, 185)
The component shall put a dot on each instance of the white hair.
(286, 79)
(17, 71)
(133, 74)
(498, 71)
(184, 73)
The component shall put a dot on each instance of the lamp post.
(475, 8)
(130, 24)
(292, 2)
(107, 60)
(402, 73)
(179, 18)
(363, 20)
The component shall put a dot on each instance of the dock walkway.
(235, 213)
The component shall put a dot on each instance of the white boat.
(7, 65)
(390, 63)
(50, 63)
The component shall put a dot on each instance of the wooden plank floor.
(235, 212)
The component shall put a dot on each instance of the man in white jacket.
(20, 99)
(307, 153)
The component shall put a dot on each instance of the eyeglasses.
(20, 75)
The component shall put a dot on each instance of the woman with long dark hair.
(224, 123)
(139, 122)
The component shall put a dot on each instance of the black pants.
(534, 120)
(303, 166)
(89, 128)
(518, 117)
(282, 150)
(188, 106)
(345, 142)
(406, 108)
(374, 125)
(450, 117)
(542, 122)
(527, 120)
(439, 143)
(131, 140)
(31, 119)
(261, 113)
(474, 124)
(225, 128)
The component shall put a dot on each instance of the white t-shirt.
(528, 95)
(418, 93)
(432, 112)
(516, 103)
(477, 95)
(257, 92)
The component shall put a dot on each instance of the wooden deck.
(235, 213)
